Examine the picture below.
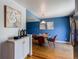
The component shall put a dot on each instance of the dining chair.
(52, 41)
(41, 40)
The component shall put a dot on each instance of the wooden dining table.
(42, 39)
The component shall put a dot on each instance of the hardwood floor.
(61, 51)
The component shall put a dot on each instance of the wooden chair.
(34, 36)
(38, 39)
(41, 40)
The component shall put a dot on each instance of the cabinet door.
(26, 46)
(19, 49)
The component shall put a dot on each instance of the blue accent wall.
(61, 28)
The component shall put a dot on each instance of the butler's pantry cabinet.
(16, 49)
(26, 46)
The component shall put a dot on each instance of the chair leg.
(49, 44)
(54, 44)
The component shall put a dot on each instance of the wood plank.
(61, 51)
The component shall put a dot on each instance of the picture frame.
(50, 25)
(43, 26)
(12, 17)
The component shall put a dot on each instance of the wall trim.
(62, 42)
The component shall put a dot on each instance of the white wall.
(8, 32)
(76, 7)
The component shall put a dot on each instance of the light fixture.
(43, 9)
(43, 22)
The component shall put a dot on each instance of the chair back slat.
(54, 38)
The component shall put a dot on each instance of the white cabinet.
(16, 49)
(26, 46)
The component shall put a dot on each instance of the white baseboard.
(62, 42)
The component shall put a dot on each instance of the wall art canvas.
(12, 17)
(50, 25)
(42, 26)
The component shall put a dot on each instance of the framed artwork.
(50, 25)
(42, 26)
(47, 25)
(12, 17)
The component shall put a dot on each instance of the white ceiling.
(53, 8)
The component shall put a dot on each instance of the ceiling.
(52, 8)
